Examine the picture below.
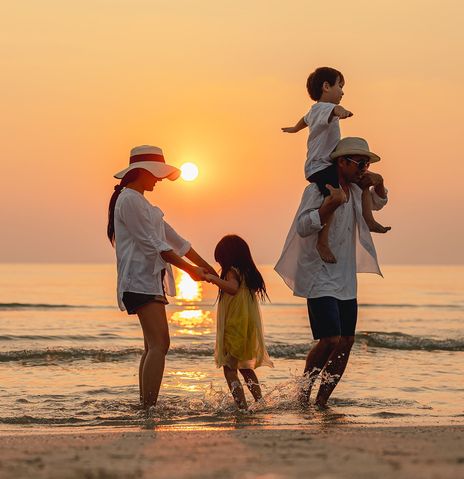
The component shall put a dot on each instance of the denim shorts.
(329, 316)
(133, 301)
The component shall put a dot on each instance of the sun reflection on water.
(193, 322)
(187, 288)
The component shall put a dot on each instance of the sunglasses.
(361, 163)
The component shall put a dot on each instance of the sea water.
(69, 357)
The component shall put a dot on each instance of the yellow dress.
(240, 338)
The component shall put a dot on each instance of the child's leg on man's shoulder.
(327, 176)
(367, 208)
(235, 387)
(251, 380)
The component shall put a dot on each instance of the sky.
(213, 82)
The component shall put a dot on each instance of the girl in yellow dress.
(239, 339)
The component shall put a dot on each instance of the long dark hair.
(129, 177)
(233, 252)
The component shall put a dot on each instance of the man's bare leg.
(251, 380)
(315, 362)
(334, 369)
(373, 225)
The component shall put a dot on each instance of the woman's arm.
(229, 285)
(197, 273)
(194, 257)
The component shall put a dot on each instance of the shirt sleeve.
(308, 221)
(178, 244)
(318, 116)
(377, 201)
(136, 217)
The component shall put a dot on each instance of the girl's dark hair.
(129, 177)
(233, 252)
(317, 79)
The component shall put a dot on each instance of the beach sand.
(322, 453)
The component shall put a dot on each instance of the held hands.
(210, 278)
(341, 112)
(197, 273)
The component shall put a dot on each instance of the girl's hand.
(211, 270)
(211, 277)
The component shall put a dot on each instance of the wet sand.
(327, 453)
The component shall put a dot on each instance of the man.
(331, 289)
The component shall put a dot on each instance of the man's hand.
(337, 195)
(341, 112)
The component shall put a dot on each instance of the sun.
(189, 171)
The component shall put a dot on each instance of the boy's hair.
(318, 77)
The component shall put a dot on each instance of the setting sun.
(189, 171)
(187, 288)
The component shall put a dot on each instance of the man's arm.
(295, 129)
(312, 220)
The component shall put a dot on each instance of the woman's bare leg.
(142, 361)
(152, 317)
(235, 387)
(368, 216)
(251, 380)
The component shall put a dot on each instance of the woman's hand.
(197, 273)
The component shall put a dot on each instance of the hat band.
(147, 157)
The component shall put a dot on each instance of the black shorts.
(133, 301)
(327, 176)
(329, 316)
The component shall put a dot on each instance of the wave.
(397, 341)
(42, 306)
(410, 343)
(175, 304)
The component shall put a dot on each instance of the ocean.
(69, 357)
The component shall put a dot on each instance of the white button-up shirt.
(300, 264)
(323, 137)
(141, 235)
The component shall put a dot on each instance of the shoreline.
(324, 451)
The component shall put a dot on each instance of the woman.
(146, 246)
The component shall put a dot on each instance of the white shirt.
(338, 279)
(141, 235)
(301, 266)
(323, 137)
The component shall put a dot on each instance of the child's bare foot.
(325, 253)
(375, 227)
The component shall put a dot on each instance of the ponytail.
(129, 177)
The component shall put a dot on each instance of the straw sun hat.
(150, 158)
(352, 145)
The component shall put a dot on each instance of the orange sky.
(212, 82)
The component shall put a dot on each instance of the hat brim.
(158, 169)
(354, 151)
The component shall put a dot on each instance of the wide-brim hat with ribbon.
(150, 158)
(352, 145)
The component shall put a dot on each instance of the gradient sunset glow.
(214, 82)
